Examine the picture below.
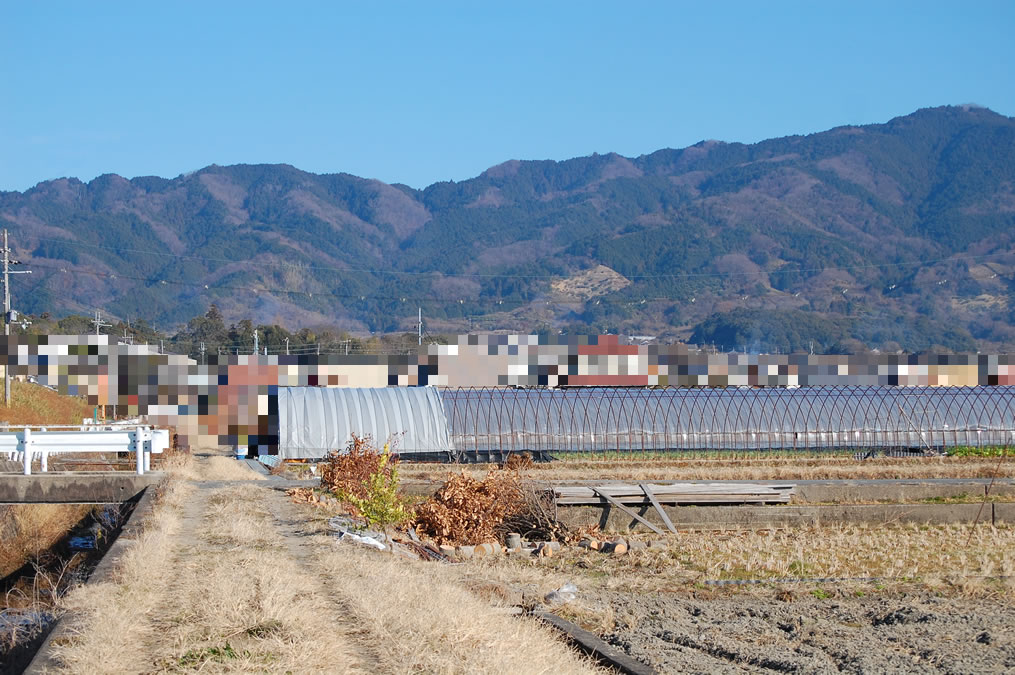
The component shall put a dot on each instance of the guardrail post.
(44, 457)
(139, 451)
(149, 441)
(27, 457)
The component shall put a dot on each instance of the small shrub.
(382, 505)
(367, 480)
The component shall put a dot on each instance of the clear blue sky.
(427, 91)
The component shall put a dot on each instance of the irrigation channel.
(30, 592)
(485, 423)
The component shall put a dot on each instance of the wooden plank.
(690, 496)
(594, 498)
(659, 507)
(629, 512)
(592, 645)
(665, 489)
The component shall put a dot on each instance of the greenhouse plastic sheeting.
(596, 420)
(315, 420)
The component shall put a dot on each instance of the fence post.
(27, 457)
(149, 441)
(139, 451)
(44, 457)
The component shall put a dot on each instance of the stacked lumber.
(675, 493)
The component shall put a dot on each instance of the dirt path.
(236, 578)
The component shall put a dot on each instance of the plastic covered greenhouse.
(478, 424)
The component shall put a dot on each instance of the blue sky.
(421, 92)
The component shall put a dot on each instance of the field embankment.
(35, 404)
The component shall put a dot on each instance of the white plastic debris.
(366, 541)
(346, 529)
(566, 593)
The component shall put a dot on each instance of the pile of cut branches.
(469, 511)
(349, 472)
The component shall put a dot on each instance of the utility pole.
(419, 327)
(287, 346)
(99, 323)
(9, 315)
(255, 342)
(202, 353)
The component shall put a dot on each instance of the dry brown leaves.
(349, 472)
(302, 495)
(470, 511)
(519, 461)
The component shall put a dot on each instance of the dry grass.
(746, 468)
(233, 601)
(29, 530)
(934, 557)
(214, 467)
(239, 601)
(431, 624)
(235, 590)
(108, 615)
(35, 404)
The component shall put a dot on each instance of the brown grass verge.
(432, 624)
(107, 616)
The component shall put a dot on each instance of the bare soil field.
(792, 632)
(814, 600)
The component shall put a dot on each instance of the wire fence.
(491, 421)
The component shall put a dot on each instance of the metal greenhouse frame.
(490, 423)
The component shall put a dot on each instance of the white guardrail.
(30, 442)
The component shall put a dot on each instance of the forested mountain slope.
(897, 234)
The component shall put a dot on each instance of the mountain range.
(889, 236)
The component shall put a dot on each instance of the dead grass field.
(35, 404)
(230, 578)
(746, 468)
(933, 557)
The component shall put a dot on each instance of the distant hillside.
(895, 235)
